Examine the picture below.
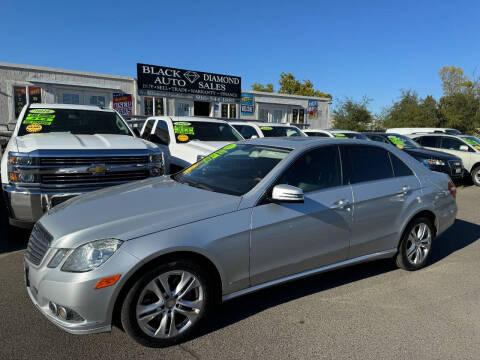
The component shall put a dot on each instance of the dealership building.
(157, 90)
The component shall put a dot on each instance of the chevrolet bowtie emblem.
(97, 169)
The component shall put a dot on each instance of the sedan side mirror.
(287, 193)
(463, 148)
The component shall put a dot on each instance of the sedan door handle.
(405, 189)
(340, 204)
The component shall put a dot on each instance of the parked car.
(254, 129)
(434, 160)
(422, 130)
(345, 134)
(465, 147)
(59, 151)
(185, 140)
(161, 254)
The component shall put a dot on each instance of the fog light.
(53, 308)
(62, 312)
(155, 171)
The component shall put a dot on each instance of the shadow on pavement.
(11, 238)
(460, 235)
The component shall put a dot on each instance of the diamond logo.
(191, 76)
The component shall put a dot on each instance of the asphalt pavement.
(369, 311)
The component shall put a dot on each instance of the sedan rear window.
(234, 169)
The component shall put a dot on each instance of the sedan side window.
(318, 169)
(246, 131)
(365, 163)
(378, 138)
(399, 167)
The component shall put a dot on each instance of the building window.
(263, 115)
(183, 109)
(301, 116)
(97, 100)
(34, 94)
(159, 109)
(277, 116)
(70, 98)
(148, 104)
(294, 115)
(224, 110)
(233, 111)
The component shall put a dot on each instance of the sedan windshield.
(186, 131)
(82, 122)
(234, 169)
(280, 131)
(402, 142)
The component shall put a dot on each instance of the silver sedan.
(161, 254)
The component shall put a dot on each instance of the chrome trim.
(357, 260)
(42, 170)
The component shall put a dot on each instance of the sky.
(346, 48)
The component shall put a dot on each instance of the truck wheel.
(167, 304)
(416, 244)
(476, 175)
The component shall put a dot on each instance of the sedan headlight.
(91, 255)
(436, 162)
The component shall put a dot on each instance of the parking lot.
(367, 311)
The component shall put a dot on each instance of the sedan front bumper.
(75, 291)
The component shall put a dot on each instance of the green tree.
(290, 85)
(460, 111)
(411, 111)
(259, 87)
(352, 115)
(454, 81)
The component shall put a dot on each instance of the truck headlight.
(157, 157)
(20, 160)
(20, 177)
(91, 255)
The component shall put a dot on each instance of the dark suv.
(434, 160)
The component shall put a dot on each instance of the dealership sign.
(122, 103)
(247, 104)
(312, 110)
(155, 80)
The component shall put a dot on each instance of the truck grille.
(86, 178)
(38, 244)
(454, 165)
(88, 160)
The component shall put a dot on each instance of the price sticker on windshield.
(399, 143)
(186, 130)
(339, 135)
(33, 128)
(474, 143)
(43, 117)
(266, 128)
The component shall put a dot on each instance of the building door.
(183, 109)
(201, 108)
(277, 115)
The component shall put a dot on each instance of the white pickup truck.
(58, 151)
(185, 140)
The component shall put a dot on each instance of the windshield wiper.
(198, 185)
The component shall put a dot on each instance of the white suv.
(465, 147)
(335, 133)
(254, 129)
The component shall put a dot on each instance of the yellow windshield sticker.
(400, 146)
(182, 123)
(182, 137)
(33, 128)
(396, 141)
(266, 128)
(186, 171)
(41, 111)
(44, 119)
(477, 147)
(473, 142)
(339, 135)
(231, 146)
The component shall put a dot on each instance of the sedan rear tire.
(416, 244)
(476, 176)
(167, 304)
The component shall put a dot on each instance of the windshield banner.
(156, 80)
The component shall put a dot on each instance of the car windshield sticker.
(473, 142)
(182, 129)
(397, 141)
(182, 137)
(266, 128)
(183, 123)
(218, 153)
(339, 135)
(43, 117)
(33, 128)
